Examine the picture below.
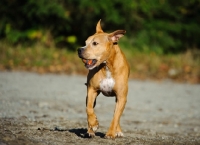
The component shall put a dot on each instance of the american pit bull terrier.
(108, 73)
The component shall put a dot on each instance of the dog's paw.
(94, 128)
(112, 136)
(91, 131)
(93, 123)
(109, 136)
(89, 134)
(119, 134)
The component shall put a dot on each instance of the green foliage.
(30, 20)
(161, 26)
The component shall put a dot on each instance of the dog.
(108, 74)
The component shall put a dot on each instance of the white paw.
(109, 137)
(119, 134)
(94, 128)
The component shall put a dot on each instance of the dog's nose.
(80, 50)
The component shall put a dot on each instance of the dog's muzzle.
(89, 63)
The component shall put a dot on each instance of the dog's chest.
(107, 83)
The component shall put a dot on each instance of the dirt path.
(50, 109)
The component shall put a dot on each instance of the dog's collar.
(115, 43)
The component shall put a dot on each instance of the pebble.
(43, 104)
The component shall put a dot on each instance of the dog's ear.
(116, 35)
(98, 27)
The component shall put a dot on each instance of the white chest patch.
(107, 84)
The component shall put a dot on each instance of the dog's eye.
(94, 43)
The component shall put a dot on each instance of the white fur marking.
(95, 128)
(107, 84)
(119, 134)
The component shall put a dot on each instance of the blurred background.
(162, 39)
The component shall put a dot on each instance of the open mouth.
(89, 62)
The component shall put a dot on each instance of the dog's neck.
(108, 65)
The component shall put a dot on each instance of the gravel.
(50, 109)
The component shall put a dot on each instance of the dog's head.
(98, 46)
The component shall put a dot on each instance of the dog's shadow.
(82, 132)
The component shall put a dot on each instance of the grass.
(183, 67)
(40, 59)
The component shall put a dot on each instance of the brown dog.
(108, 73)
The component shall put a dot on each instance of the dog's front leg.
(91, 117)
(115, 129)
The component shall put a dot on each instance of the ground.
(50, 109)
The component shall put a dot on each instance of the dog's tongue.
(87, 61)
